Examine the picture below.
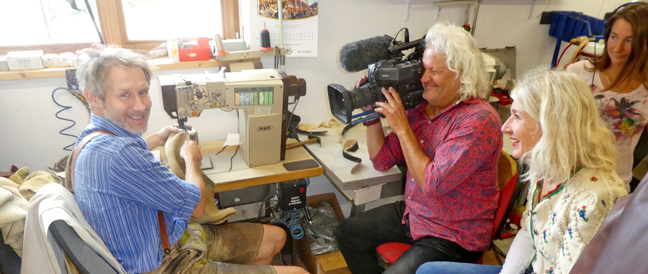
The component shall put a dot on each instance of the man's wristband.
(371, 122)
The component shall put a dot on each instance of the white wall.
(30, 131)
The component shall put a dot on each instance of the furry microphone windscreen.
(359, 55)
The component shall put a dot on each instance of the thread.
(220, 49)
(265, 40)
(172, 49)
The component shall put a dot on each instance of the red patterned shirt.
(463, 142)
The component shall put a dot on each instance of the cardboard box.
(330, 263)
(3, 63)
(51, 60)
(26, 59)
(67, 59)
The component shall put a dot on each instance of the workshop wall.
(31, 131)
(500, 23)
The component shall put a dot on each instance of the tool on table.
(311, 139)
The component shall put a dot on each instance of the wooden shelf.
(159, 63)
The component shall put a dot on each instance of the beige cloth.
(13, 210)
(15, 193)
(34, 181)
(20, 175)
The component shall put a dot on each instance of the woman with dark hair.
(619, 80)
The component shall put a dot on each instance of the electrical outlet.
(72, 83)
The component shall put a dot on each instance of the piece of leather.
(620, 243)
(331, 123)
(212, 214)
(350, 145)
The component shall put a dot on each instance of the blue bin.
(567, 25)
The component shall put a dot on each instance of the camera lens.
(343, 102)
(340, 103)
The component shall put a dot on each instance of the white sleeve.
(520, 253)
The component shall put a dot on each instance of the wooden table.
(298, 164)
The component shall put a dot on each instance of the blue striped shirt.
(119, 187)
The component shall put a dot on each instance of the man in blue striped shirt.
(120, 187)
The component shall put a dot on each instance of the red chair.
(507, 175)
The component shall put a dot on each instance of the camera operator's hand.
(363, 80)
(394, 111)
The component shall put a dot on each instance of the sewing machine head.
(260, 96)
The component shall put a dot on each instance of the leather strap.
(163, 232)
(78, 148)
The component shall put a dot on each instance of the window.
(172, 18)
(54, 26)
(45, 22)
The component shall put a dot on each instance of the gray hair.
(573, 132)
(462, 57)
(93, 73)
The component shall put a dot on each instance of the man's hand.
(394, 111)
(190, 152)
(163, 134)
(159, 138)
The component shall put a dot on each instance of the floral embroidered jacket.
(565, 220)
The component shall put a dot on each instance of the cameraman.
(451, 144)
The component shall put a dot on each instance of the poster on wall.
(299, 25)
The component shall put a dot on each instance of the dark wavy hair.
(637, 15)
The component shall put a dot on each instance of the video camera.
(402, 72)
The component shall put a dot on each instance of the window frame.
(113, 29)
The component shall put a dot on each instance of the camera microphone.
(357, 56)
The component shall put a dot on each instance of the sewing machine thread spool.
(220, 49)
(265, 40)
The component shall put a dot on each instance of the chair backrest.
(506, 169)
(507, 175)
(56, 229)
(83, 257)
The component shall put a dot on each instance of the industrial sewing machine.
(259, 96)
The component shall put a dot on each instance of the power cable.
(62, 132)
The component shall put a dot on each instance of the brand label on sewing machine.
(265, 128)
(262, 110)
